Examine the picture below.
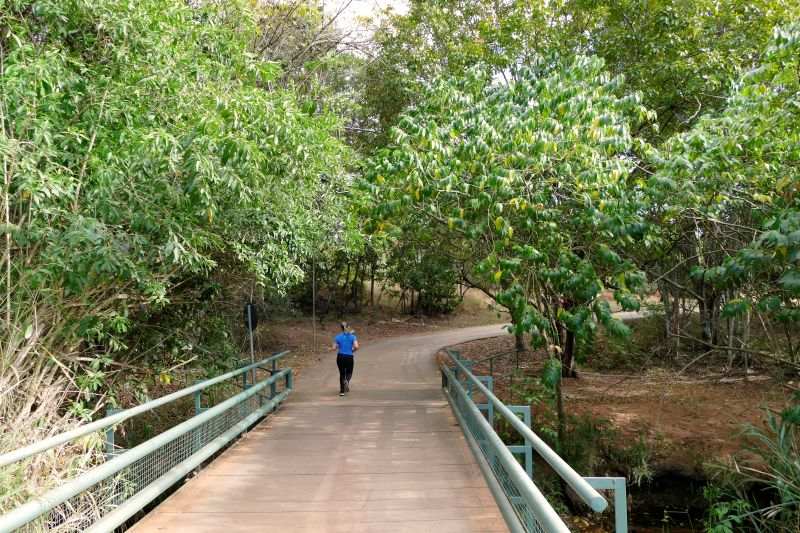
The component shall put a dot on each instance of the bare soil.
(687, 419)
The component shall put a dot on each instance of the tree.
(445, 37)
(533, 180)
(682, 55)
(143, 156)
(728, 191)
(426, 275)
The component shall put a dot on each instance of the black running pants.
(345, 364)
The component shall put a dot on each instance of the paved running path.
(388, 457)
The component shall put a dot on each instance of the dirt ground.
(687, 420)
(690, 421)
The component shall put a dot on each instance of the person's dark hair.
(344, 326)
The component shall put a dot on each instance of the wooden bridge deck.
(388, 457)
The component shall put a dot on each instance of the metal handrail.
(541, 508)
(117, 418)
(581, 487)
(54, 497)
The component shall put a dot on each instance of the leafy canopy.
(531, 179)
(145, 148)
(736, 173)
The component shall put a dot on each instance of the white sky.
(359, 9)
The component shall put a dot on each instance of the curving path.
(389, 457)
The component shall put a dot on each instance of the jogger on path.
(346, 344)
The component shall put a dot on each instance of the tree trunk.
(677, 303)
(744, 340)
(568, 356)
(789, 343)
(562, 438)
(709, 314)
(666, 301)
(562, 417)
(372, 286)
(731, 330)
(355, 288)
(342, 304)
(716, 319)
(671, 317)
(519, 345)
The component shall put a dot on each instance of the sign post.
(251, 322)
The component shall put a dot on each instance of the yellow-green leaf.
(763, 198)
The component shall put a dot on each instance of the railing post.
(456, 370)
(617, 484)
(620, 505)
(198, 404)
(488, 381)
(468, 365)
(289, 380)
(110, 446)
(198, 409)
(527, 448)
(273, 387)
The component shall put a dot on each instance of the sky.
(358, 9)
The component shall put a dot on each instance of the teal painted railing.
(524, 507)
(109, 494)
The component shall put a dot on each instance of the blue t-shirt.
(345, 343)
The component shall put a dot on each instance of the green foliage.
(733, 178)
(445, 37)
(316, 57)
(144, 152)
(680, 54)
(528, 184)
(429, 276)
(762, 487)
(551, 374)
(723, 516)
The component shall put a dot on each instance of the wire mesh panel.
(490, 452)
(106, 499)
(110, 493)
